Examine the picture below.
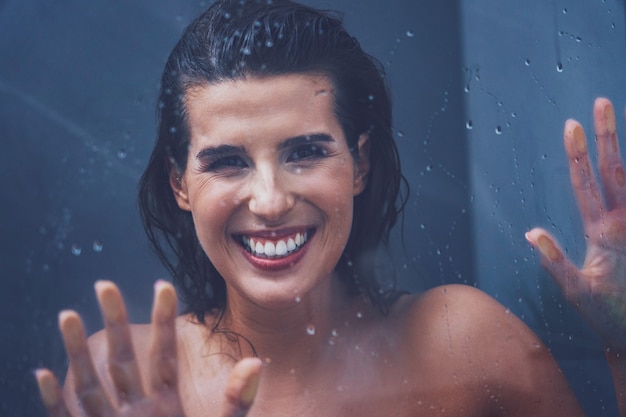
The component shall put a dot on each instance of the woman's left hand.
(598, 288)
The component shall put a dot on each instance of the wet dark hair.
(235, 39)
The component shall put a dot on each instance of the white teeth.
(260, 248)
(277, 248)
(281, 248)
(270, 249)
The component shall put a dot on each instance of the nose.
(270, 194)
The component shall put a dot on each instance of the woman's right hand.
(131, 399)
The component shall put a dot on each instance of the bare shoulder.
(460, 337)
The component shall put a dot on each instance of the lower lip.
(277, 264)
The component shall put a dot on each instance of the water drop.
(298, 299)
(469, 125)
(410, 33)
(498, 130)
(527, 62)
(559, 67)
(564, 11)
(76, 249)
(269, 44)
(334, 332)
(429, 168)
(122, 154)
(310, 330)
(370, 97)
(359, 315)
(97, 246)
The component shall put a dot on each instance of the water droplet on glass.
(310, 330)
(467, 88)
(76, 249)
(527, 62)
(469, 125)
(334, 332)
(429, 168)
(97, 246)
(122, 154)
(559, 67)
(269, 44)
(498, 130)
(359, 315)
(298, 299)
(370, 97)
(400, 134)
(410, 33)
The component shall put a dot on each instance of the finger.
(609, 159)
(241, 387)
(87, 385)
(163, 362)
(583, 180)
(560, 268)
(122, 363)
(51, 393)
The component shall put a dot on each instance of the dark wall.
(78, 82)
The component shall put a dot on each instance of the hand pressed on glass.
(131, 391)
(598, 288)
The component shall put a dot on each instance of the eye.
(225, 163)
(304, 152)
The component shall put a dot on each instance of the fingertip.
(165, 299)
(250, 371)
(49, 388)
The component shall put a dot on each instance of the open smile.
(274, 248)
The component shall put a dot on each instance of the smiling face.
(270, 182)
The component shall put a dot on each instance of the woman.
(273, 182)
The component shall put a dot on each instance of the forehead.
(276, 105)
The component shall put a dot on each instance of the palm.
(598, 289)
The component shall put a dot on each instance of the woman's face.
(270, 183)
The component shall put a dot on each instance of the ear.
(362, 166)
(179, 187)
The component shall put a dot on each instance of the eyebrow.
(221, 150)
(299, 140)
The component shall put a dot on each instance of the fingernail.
(47, 388)
(249, 391)
(620, 177)
(547, 249)
(609, 117)
(579, 139)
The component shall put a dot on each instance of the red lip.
(276, 264)
(274, 234)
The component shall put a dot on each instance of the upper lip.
(274, 233)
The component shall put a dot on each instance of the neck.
(297, 336)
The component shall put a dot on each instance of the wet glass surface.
(481, 89)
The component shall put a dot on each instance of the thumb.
(562, 271)
(241, 387)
